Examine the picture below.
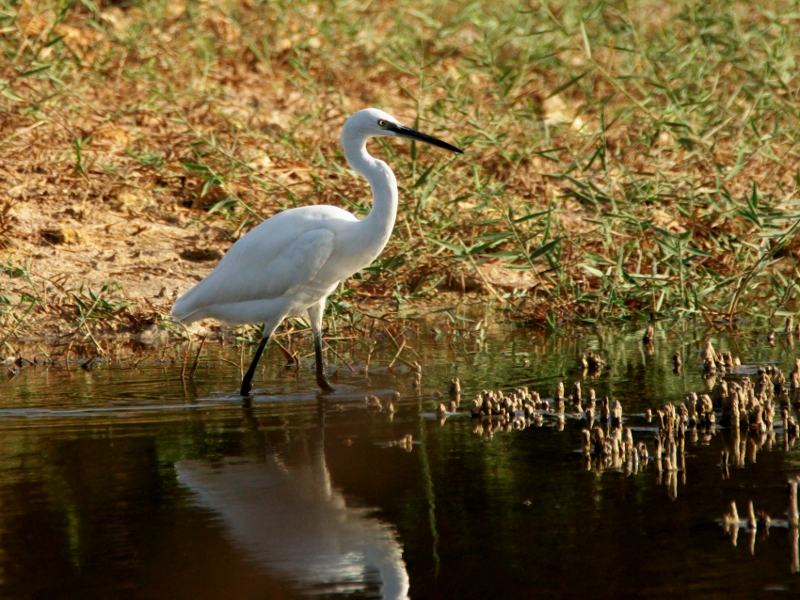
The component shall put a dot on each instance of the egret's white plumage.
(280, 268)
(290, 263)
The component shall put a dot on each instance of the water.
(124, 482)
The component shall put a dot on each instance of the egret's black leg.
(248, 377)
(315, 315)
(322, 379)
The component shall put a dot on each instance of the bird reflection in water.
(293, 521)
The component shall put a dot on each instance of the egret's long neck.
(379, 222)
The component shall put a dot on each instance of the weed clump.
(600, 183)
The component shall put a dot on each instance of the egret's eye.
(382, 123)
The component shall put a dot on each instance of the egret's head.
(372, 122)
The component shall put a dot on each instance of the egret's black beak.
(411, 134)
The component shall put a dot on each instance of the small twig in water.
(197, 357)
(396, 356)
(339, 356)
(291, 357)
(230, 362)
(185, 356)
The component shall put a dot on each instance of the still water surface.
(131, 483)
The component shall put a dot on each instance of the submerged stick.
(586, 438)
(734, 516)
(185, 357)
(792, 513)
(197, 357)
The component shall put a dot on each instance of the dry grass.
(624, 159)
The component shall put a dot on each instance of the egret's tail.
(185, 311)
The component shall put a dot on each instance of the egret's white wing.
(263, 265)
(259, 271)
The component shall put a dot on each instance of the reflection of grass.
(626, 157)
(430, 497)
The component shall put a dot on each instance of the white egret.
(289, 264)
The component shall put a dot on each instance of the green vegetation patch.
(624, 159)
